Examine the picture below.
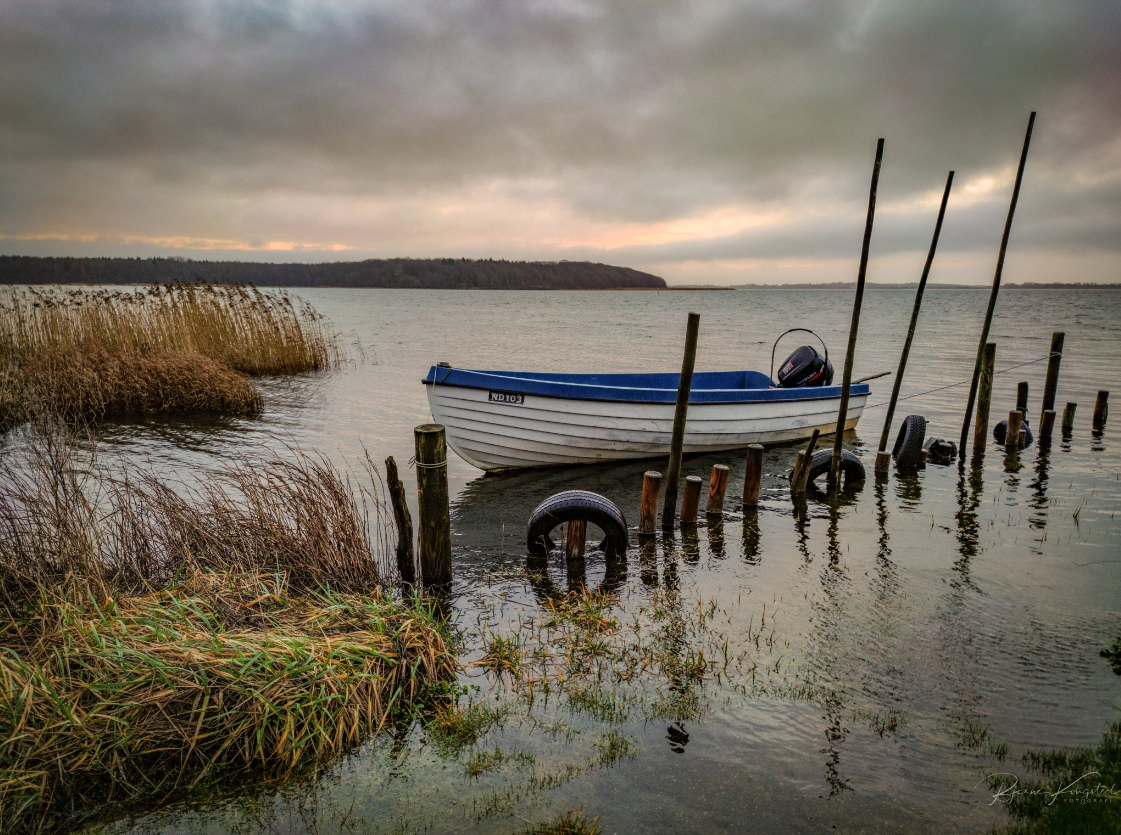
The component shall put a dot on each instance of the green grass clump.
(135, 698)
(572, 823)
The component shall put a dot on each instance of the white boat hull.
(555, 431)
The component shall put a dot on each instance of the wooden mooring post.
(850, 356)
(995, 291)
(1101, 410)
(648, 507)
(1046, 427)
(691, 500)
(1022, 397)
(677, 440)
(883, 457)
(1068, 419)
(717, 486)
(984, 399)
(434, 540)
(1012, 433)
(574, 539)
(752, 475)
(1051, 382)
(406, 557)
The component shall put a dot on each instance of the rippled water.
(971, 607)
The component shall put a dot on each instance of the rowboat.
(504, 420)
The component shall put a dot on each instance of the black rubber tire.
(907, 451)
(1001, 430)
(940, 451)
(852, 471)
(571, 505)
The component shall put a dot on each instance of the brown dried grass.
(95, 354)
(154, 641)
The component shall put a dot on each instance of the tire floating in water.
(852, 471)
(1001, 430)
(940, 451)
(907, 451)
(572, 505)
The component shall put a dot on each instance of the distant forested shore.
(427, 273)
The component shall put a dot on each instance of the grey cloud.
(622, 111)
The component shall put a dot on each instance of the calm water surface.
(920, 636)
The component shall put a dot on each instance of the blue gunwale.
(660, 387)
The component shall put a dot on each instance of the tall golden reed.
(89, 354)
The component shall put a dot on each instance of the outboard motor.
(805, 367)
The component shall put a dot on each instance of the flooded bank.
(866, 664)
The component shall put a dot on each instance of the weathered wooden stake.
(1046, 427)
(717, 485)
(1101, 410)
(1012, 433)
(574, 538)
(883, 463)
(796, 476)
(677, 441)
(406, 559)
(1068, 418)
(996, 290)
(984, 399)
(648, 508)
(753, 475)
(691, 500)
(1022, 397)
(850, 356)
(434, 540)
(1051, 383)
(807, 462)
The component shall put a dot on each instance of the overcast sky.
(707, 142)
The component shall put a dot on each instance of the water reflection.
(752, 537)
(969, 491)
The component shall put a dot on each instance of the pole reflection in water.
(669, 563)
(885, 566)
(832, 642)
(716, 536)
(908, 487)
(690, 545)
(648, 561)
(969, 491)
(752, 538)
(801, 513)
(1040, 502)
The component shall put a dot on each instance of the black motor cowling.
(805, 367)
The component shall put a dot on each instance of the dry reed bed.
(154, 641)
(94, 354)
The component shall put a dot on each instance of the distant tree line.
(429, 273)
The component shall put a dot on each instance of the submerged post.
(842, 413)
(691, 500)
(753, 475)
(677, 441)
(1101, 410)
(1046, 427)
(1012, 432)
(996, 290)
(1068, 418)
(406, 559)
(574, 539)
(883, 459)
(1051, 384)
(985, 394)
(717, 486)
(434, 540)
(648, 507)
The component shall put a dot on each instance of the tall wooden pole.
(914, 316)
(842, 414)
(1051, 384)
(677, 442)
(996, 289)
(981, 430)
(434, 538)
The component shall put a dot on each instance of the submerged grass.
(138, 697)
(93, 354)
(152, 641)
